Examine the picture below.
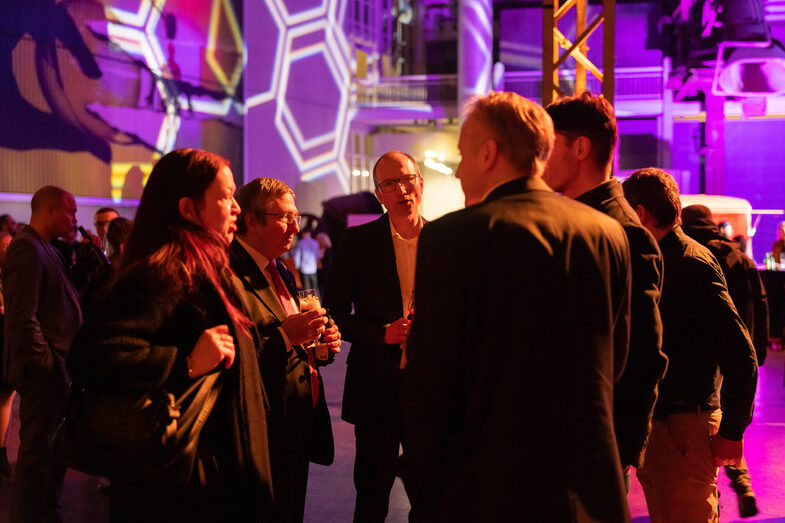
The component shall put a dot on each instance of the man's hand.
(92, 238)
(725, 451)
(303, 328)
(331, 336)
(397, 331)
(328, 345)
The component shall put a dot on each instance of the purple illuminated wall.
(297, 96)
(475, 49)
(92, 94)
(754, 166)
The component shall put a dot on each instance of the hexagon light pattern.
(299, 35)
(310, 39)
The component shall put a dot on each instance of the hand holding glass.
(309, 300)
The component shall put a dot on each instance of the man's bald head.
(54, 212)
(392, 155)
(47, 196)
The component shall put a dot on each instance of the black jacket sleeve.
(734, 351)
(636, 392)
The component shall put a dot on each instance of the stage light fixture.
(750, 69)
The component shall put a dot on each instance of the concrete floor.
(331, 491)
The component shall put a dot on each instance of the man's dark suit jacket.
(298, 432)
(364, 275)
(521, 330)
(636, 391)
(42, 311)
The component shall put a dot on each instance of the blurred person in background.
(101, 220)
(726, 229)
(7, 230)
(778, 248)
(307, 254)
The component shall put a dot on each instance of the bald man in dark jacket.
(42, 317)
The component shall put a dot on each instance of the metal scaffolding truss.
(553, 40)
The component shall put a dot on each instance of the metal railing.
(402, 91)
(632, 83)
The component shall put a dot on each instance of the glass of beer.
(309, 300)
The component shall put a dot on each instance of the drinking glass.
(309, 300)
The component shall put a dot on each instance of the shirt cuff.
(285, 340)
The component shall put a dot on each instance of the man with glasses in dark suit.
(373, 276)
(298, 422)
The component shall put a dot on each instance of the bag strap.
(205, 391)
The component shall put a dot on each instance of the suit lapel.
(387, 265)
(288, 278)
(55, 263)
(255, 281)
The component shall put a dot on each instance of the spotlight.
(750, 69)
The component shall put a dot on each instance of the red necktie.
(283, 297)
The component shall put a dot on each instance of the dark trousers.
(38, 480)
(309, 281)
(290, 482)
(739, 477)
(375, 461)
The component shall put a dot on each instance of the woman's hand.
(214, 346)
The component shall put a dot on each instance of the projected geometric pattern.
(223, 13)
(136, 33)
(311, 92)
(307, 48)
(270, 23)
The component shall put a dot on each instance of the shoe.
(6, 472)
(747, 505)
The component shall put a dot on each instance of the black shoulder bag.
(155, 435)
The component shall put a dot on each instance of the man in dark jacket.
(42, 316)
(512, 374)
(749, 296)
(298, 421)
(369, 293)
(707, 344)
(580, 168)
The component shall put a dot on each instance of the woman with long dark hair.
(170, 318)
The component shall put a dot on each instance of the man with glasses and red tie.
(373, 276)
(287, 340)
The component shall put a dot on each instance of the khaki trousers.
(678, 474)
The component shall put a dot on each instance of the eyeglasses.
(392, 184)
(287, 217)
